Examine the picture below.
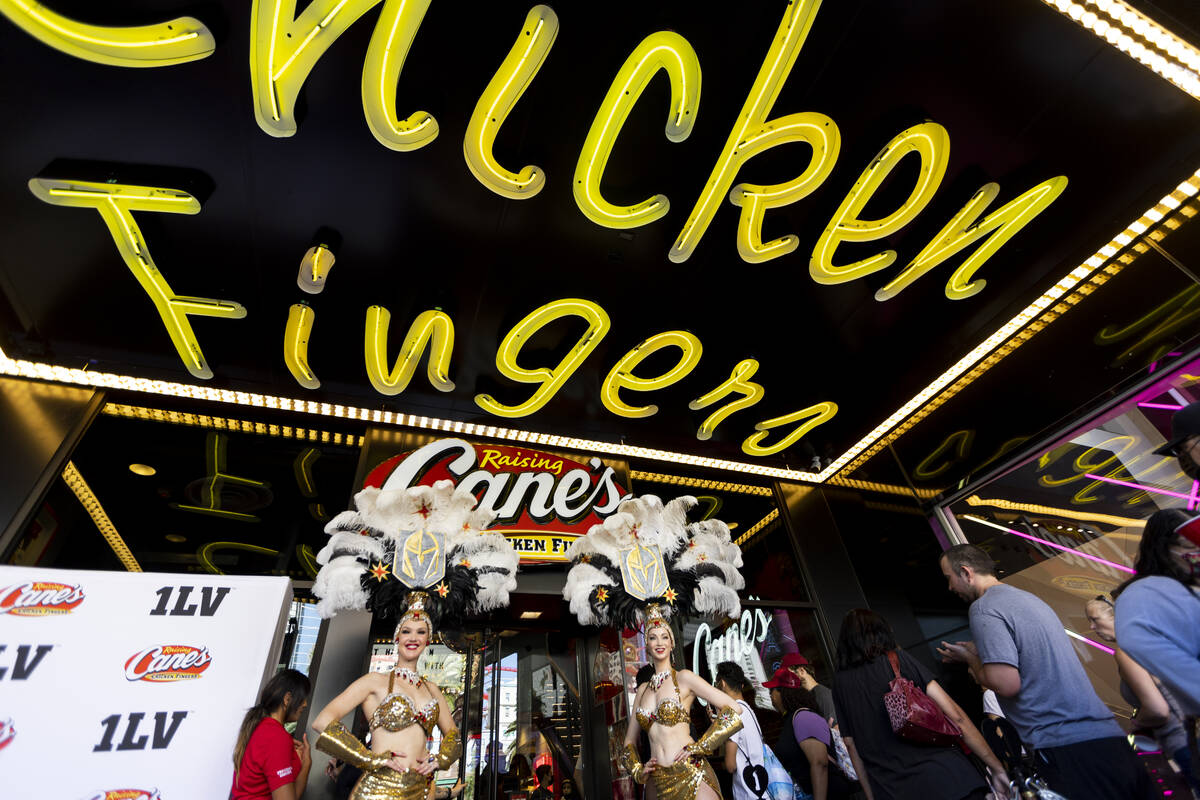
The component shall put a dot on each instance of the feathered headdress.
(408, 552)
(645, 563)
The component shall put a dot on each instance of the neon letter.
(662, 50)
(755, 134)
(523, 62)
(430, 327)
(295, 345)
(551, 380)
(819, 413)
(739, 381)
(175, 41)
(621, 375)
(932, 144)
(381, 73)
(962, 231)
(115, 201)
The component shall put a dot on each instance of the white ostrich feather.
(348, 542)
(345, 521)
(715, 598)
(581, 580)
(338, 586)
(494, 590)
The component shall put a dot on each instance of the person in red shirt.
(267, 761)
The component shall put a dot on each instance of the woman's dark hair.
(1154, 553)
(795, 698)
(865, 636)
(275, 695)
(732, 676)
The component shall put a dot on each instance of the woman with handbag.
(890, 766)
(748, 759)
(804, 740)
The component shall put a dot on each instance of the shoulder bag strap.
(894, 660)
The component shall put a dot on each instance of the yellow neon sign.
(962, 231)
(115, 202)
(295, 345)
(550, 380)
(931, 143)
(665, 51)
(517, 71)
(755, 134)
(175, 41)
(432, 327)
(381, 73)
(816, 414)
(621, 375)
(738, 382)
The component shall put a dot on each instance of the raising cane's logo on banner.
(167, 663)
(39, 599)
(127, 794)
(7, 733)
(543, 502)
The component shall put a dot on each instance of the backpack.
(767, 778)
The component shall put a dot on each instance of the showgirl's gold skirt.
(679, 781)
(387, 784)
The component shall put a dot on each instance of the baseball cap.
(1185, 423)
(785, 678)
(794, 660)
(1190, 530)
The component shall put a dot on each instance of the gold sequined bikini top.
(397, 711)
(668, 712)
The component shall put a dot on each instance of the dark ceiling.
(1025, 93)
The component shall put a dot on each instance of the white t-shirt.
(749, 743)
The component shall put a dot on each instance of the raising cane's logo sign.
(39, 599)
(543, 502)
(167, 663)
(127, 794)
(7, 733)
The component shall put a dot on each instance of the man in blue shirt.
(1023, 654)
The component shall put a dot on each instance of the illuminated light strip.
(91, 504)
(700, 483)
(882, 488)
(1195, 498)
(107, 380)
(1166, 406)
(204, 554)
(1010, 334)
(1086, 640)
(1139, 37)
(758, 526)
(228, 424)
(1141, 486)
(1049, 543)
(1066, 513)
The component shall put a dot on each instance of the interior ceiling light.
(1139, 37)
(177, 538)
(530, 614)
(142, 469)
(314, 268)
(91, 504)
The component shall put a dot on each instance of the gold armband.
(342, 744)
(727, 722)
(633, 764)
(450, 748)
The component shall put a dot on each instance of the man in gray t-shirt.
(1022, 653)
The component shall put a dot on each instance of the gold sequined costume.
(679, 781)
(387, 784)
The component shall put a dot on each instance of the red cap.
(1190, 530)
(794, 660)
(785, 678)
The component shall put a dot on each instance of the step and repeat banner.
(130, 686)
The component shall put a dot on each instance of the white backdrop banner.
(129, 686)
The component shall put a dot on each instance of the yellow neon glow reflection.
(526, 57)
(739, 381)
(665, 51)
(115, 201)
(931, 143)
(819, 132)
(432, 327)
(551, 380)
(175, 41)
(755, 133)
(216, 445)
(393, 36)
(815, 414)
(295, 345)
(963, 230)
(621, 375)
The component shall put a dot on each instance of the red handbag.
(914, 716)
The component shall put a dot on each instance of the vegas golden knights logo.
(420, 559)
(643, 572)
